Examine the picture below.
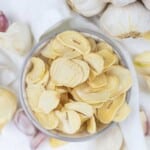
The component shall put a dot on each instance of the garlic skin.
(17, 38)
(120, 3)
(124, 22)
(146, 3)
(87, 8)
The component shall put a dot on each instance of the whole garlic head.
(120, 3)
(130, 21)
(146, 3)
(17, 38)
(87, 8)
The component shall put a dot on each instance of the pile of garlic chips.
(76, 84)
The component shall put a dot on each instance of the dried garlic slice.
(48, 121)
(70, 121)
(122, 113)
(33, 93)
(80, 107)
(95, 61)
(75, 40)
(48, 100)
(54, 49)
(93, 44)
(108, 111)
(109, 58)
(8, 106)
(104, 46)
(91, 125)
(37, 71)
(55, 143)
(124, 77)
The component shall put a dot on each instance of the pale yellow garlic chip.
(71, 54)
(55, 143)
(91, 125)
(54, 49)
(145, 70)
(48, 100)
(104, 46)
(109, 58)
(8, 106)
(80, 107)
(93, 44)
(98, 82)
(48, 121)
(66, 72)
(83, 92)
(85, 69)
(122, 113)
(142, 59)
(75, 40)
(95, 61)
(51, 85)
(124, 77)
(37, 71)
(33, 92)
(107, 112)
(70, 121)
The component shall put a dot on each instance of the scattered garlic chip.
(143, 59)
(71, 74)
(55, 49)
(81, 107)
(95, 61)
(8, 106)
(91, 125)
(124, 77)
(33, 93)
(109, 58)
(122, 113)
(98, 82)
(70, 121)
(37, 71)
(103, 45)
(108, 111)
(48, 101)
(85, 95)
(55, 143)
(48, 121)
(85, 69)
(75, 40)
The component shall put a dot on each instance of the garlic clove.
(23, 123)
(87, 8)
(3, 22)
(38, 139)
(146, 3)
(124, 22)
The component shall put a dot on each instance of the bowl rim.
(117, 49)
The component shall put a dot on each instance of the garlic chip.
(48, 101)
(75, 40)
(81, 107)
(91, 125)
(8, 106)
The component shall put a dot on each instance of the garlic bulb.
(146, 3)
(123, 22)
(120, 3)
(17, 38)
(87, 8)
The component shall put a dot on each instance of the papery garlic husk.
(18, 38)
(123, 22)
(87, 8)
(146, 3)
(120, 3)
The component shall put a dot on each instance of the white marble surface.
(40, 15)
